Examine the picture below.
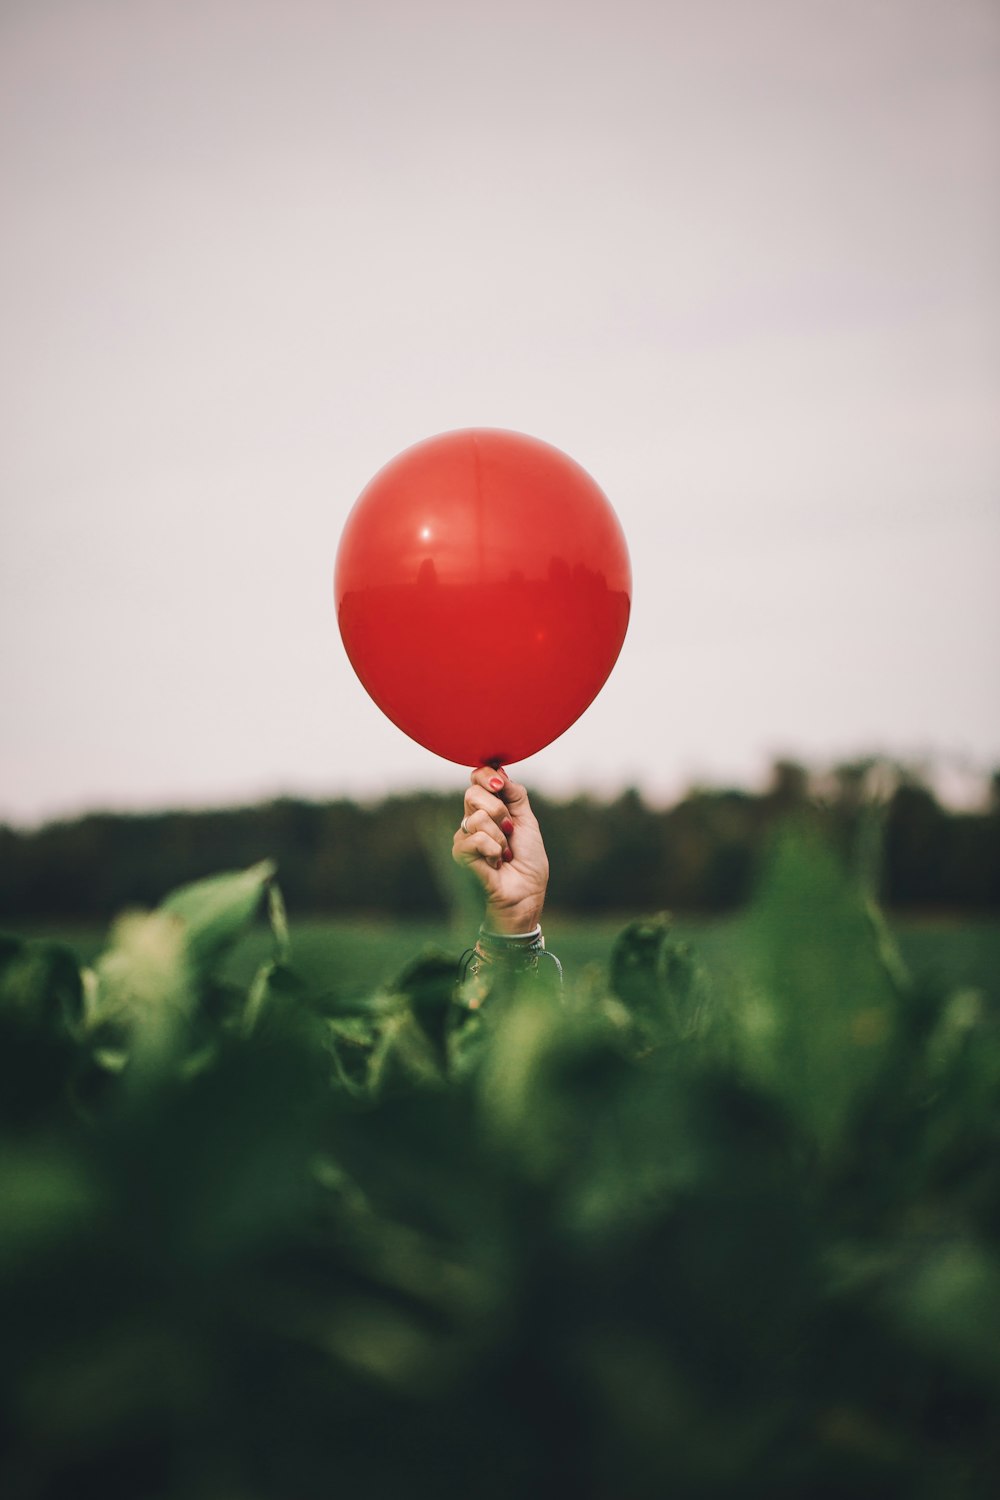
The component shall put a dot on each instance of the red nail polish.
(507, 826)
(496, 785)
(508, 855)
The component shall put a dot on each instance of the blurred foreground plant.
(658, 1236)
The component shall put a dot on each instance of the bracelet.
(513, 942)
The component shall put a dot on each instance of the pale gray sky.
(739, 259)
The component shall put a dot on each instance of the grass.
(367, 952)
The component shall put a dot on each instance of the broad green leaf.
(659, 979)
(428, 987)
(273, 984)
(403, 1055)
(41, 981)
(216, 911)
(143, 990)
(816, 1010)
(40, 1009)
(951, 1305)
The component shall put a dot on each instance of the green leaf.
(216, 911)
(41, 981)
(143, 992)
(951, 1304)
(272, 985)
(428, 986)
(41, 1003)
(816, 1011)
(659, 979)
(278, 919)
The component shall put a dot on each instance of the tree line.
(608, 856)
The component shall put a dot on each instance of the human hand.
(500, 841)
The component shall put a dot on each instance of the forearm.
(514, 920)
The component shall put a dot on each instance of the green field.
(725, 1230)
(365, 953)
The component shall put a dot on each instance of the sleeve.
(501, 959)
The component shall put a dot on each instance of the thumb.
(516, 798)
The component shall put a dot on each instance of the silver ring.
(465, 826)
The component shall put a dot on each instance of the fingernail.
(496, 785)
(508, 855)
(507, 826)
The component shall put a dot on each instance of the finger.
(490, 779)
(479, 845)
(478, 800)
(516, 797)
(479, 821)
(495, 782)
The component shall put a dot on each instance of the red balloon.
(483, 590)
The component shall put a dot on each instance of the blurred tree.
(789, 787)
(916, 847)
(621, 856)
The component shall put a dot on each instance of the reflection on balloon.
(483, 590)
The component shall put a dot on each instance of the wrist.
(513, 921)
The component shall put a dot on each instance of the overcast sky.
(739, 259)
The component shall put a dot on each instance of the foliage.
(666, 1234)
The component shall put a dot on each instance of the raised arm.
(500, 841)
